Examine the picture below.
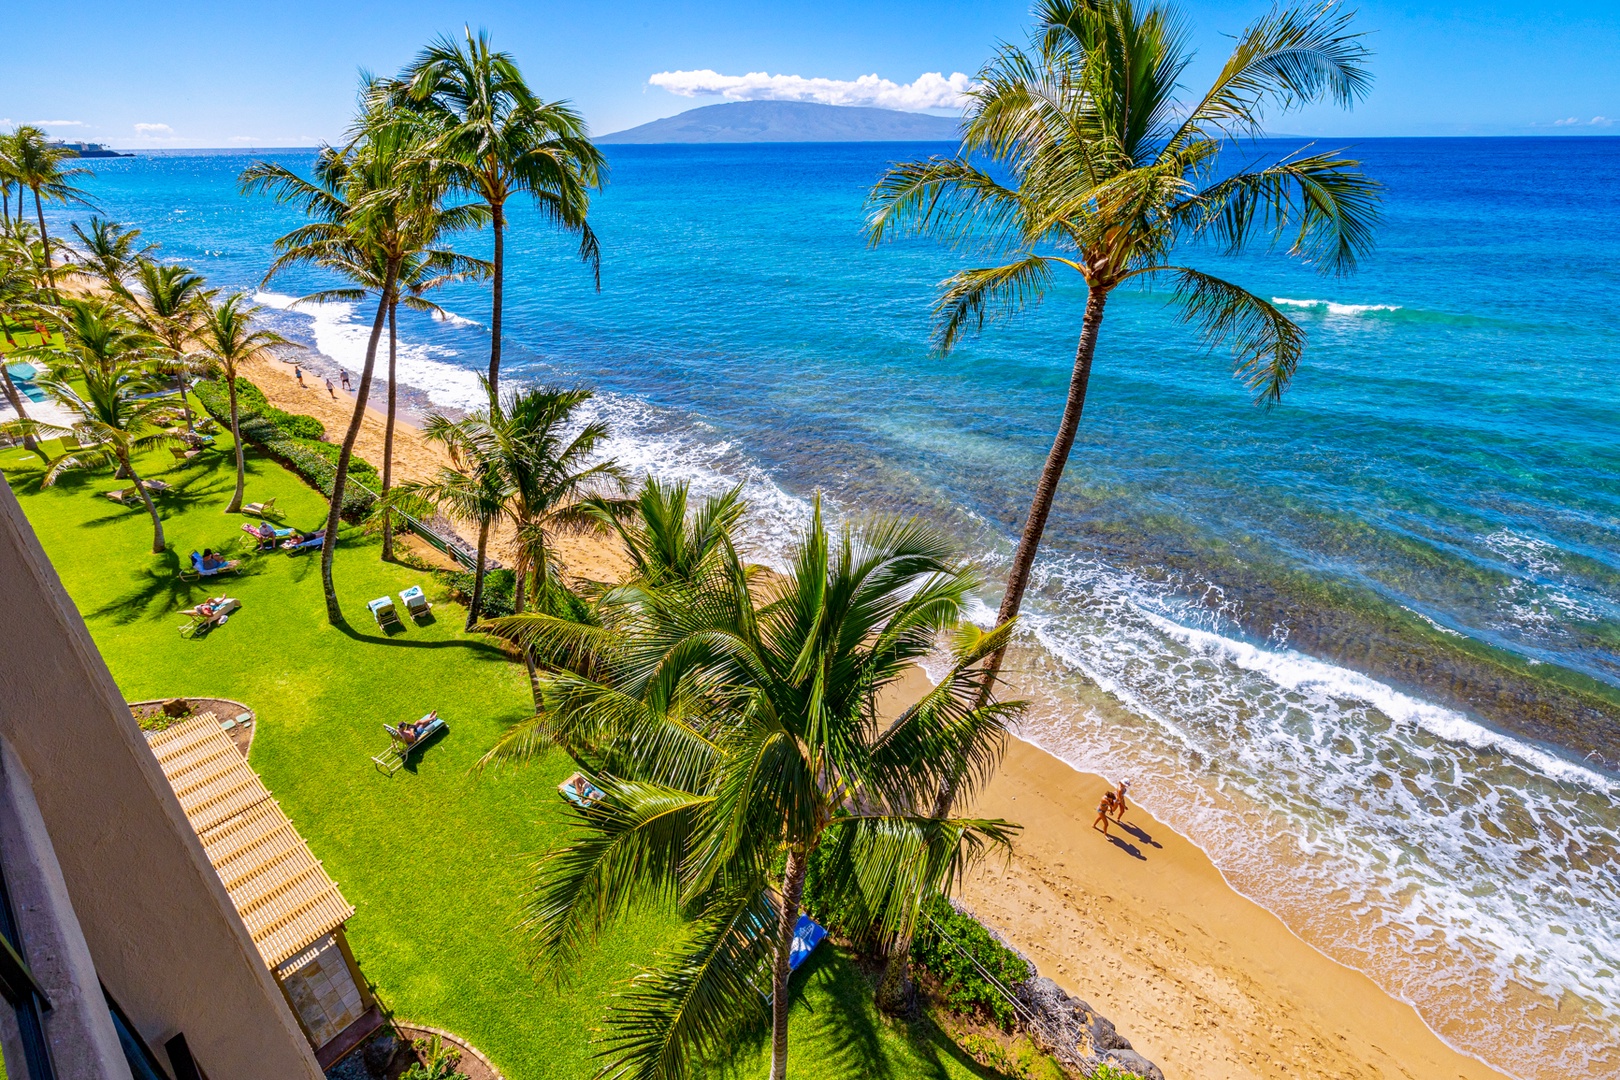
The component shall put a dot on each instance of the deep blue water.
(1360, 622)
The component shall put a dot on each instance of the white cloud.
(929, 91)
(1575, 121)
(57, 123)
(148, 131)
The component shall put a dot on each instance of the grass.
(436, 859)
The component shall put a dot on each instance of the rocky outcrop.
(1073, 1032)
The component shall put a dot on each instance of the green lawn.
(435, 860)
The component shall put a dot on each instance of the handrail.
(426, 532)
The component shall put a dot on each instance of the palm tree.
(499, 140)
(170, 303)
(113, 419)
(374, 205)
(229, 340)
(37, 166)
(18, 297)
(474, 488)
(109, 253)
(1077, 154)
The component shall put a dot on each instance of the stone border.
(241, 708)
(404, 1026)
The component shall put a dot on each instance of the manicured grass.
(436, 859)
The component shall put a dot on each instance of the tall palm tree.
(108, 252)
(229, 339)
(373, 205)
(499, 140)
(170, 303)
(37, 166)
(474, 488)
(734, 731)
(1079, 155)
(113, 420)
(18, 303)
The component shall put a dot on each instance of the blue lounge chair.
(198, 571)
(266, 535)
(590, 797)
(391, 760)
(382, 609)
(415, 602)
(807, 934)
(304, 542)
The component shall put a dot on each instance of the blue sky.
(283, 74)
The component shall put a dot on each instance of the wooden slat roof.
(282, 892)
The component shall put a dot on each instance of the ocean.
(1362, 647)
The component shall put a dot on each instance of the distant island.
(789, 121)
(90, 149)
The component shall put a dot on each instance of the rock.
(379, 1054)
(175, 708)
(1074, 1033)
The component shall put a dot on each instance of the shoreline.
(1204, 981)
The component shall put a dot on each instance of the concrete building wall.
(164, 936)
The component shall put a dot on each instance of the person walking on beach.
(345, 377)
(1119, 800)
(1104, 808)
(298, 373)
(329, 389)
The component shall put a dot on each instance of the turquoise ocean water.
(1364, 647)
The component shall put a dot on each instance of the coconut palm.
(474, 488)
(374, 205)
(735, 733)
(113, 419)
(18, 298)
(37, 166)
(228, 340)
(500, 140)
(170, 303)
(108, 252)
(1078, 154)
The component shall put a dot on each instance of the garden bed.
(151, 716)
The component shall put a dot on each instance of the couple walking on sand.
(298, 373)
(1113, 803)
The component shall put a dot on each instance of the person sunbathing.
(263, 531)
(211, 561)
(411, 732)
(210, 608)
(300, 538)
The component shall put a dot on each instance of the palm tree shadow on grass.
(160, 591)
(483, 650)
(848, 1031)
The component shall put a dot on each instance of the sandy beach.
(1203, 981)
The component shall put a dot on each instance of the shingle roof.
(282, 892)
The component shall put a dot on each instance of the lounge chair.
(183, 455)
(263, 509)
(382, 609)
(415, 602)
(584, 800)
(400, 747)
(198, 571)
(122, 496)
(266, 535)
(807, 934)
(206, 616)
(303, 541)
(156, 487)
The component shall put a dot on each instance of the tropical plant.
(373, 205)
(108, 252)
(473, 488)
(734, 731)
(36, 164)
(1079, 155)
(498, 139)
(18, 303)
(109, 399)
(229, 340)
(171, 303)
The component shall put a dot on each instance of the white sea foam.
(1332, 307)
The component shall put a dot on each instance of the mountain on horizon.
(788, 121)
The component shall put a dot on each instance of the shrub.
(315, 461)
(297, 425)
(500, 587)
(943, 936)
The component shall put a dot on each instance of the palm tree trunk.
(44, 239)
(334, 614)
(180, 387)
(787, 919)
(519, 598)
(146, 497)
(236, 437)
(477, 601)
(498, 219)
(388, 436)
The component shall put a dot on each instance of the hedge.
(943, 935)
(291, 438)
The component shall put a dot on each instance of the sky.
(185, 74)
